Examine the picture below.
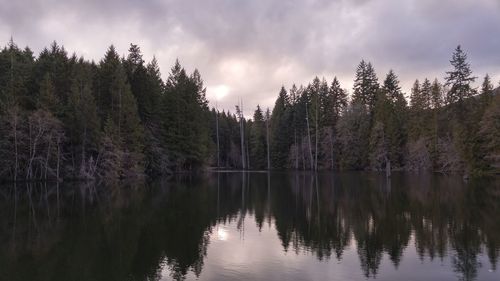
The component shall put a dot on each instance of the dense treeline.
(64, 117)
(447, 126)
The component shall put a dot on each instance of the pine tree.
(84, 132)
(16, 69)
(107, 71)
(365, 85)
(486, 91)
(258, 140)
(390, 110)
(436, 94)
(391, 87)
(339, 97)
(155, 151)
(279, 130)
(436, 114)
(426, 94)
(416, 108)
(54, 63)
(139, 80)
(119, 110)
(460, 78)
(185, 118)
(464, 130)
(333, 102)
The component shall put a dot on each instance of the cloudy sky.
(249, 48)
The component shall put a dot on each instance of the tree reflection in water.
(137, 230)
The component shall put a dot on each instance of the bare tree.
(239, 112)
(268, 117)
(309, 137)
(217, 133)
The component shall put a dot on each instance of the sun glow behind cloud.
(218, 92)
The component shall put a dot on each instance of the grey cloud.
(253, 47)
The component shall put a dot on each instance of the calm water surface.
(254, 226)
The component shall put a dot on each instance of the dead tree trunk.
(16, 154)
(239, 111)
(217, 132)
(58, 156)
(267, 141)
(309, 138)
(331, 149)
(316, 133)
(297, 150)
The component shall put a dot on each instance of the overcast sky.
(249, 48)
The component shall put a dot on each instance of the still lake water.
(254, 226)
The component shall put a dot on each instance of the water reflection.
(253, 226)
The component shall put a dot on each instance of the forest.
(64, 117)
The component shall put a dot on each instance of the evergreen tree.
(416, 109)
(107, 71)
(426, 94)
(84, 131)
(332, 105)
(390, 111)
(16, 68)
(185, 118)
(436, 104)
(436, 94)
(354, 135)
(339, 99)
(62, 116)
(464, 130)
(54, 63)
(365, 85)
(486, 91)
(460, 78)
(280, 131)
(156, 156)
(258, 140)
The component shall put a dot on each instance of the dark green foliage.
(459, 78)
(65, 117)
(365, 85)
(258, 141)
(489, 132)
(15, 76)
(83, 126)
(185, 119)
(280, 137)
(391, 110)
(438, 132)
(354, 135)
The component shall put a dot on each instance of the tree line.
(447, 126)
(62, 116)
(65, 117)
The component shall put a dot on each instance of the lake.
(254, 226)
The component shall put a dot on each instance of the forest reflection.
(136, 230)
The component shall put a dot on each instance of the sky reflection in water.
(254, 226)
